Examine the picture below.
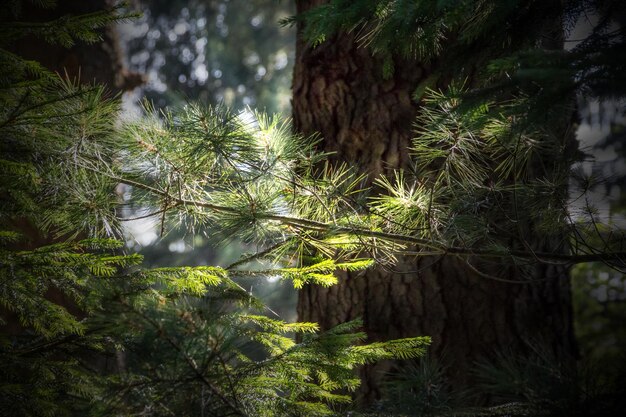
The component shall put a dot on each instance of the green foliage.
(420, 389)
(224, 362)
(128, 309)
(188, 339)
(65, 31)
(545, 385)
(538, 384)
(64, 267)
(49, 125)
(450, 31)
(192, 340)
(161, 318)
(474, 167)
(44, 121)
(44, 337)
(322, 273)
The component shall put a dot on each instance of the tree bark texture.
(339, 92)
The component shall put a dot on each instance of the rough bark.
(338, 91)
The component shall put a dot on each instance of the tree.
(39, 35)
(477, 190)
(191, 328)
(246, 176)
(361, 72)
(47, 289)
(213, 51)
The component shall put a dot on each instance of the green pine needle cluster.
(64, 31)
(86, 330)
(476, 165)
(222, 360)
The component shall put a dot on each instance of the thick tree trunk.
(338, 91)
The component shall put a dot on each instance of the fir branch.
(233, 405)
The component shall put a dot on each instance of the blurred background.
(231, 52)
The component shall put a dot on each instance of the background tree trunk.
(339, 91)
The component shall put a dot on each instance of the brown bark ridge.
(339, 92)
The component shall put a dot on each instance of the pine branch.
(399, 238)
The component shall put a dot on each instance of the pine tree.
(248, 176)
(477, 189)
(47, 289)
(484, 190)
(194, 336)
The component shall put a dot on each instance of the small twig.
(257, 255)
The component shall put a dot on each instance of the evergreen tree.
(246, 175)
(212, 51)
(192, 336)
(482, 189)
(450, 189)
(362, 74)
(358, 42)
(47, 289)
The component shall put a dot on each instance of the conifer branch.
(395, 237)
(189, 360)
(331, 228)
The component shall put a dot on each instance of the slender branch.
(492, 277)
(189, 360)
(332, 228)
(17, 113)
(47, 345)
(147, 216)
(256, 255)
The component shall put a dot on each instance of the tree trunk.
(339, 91)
